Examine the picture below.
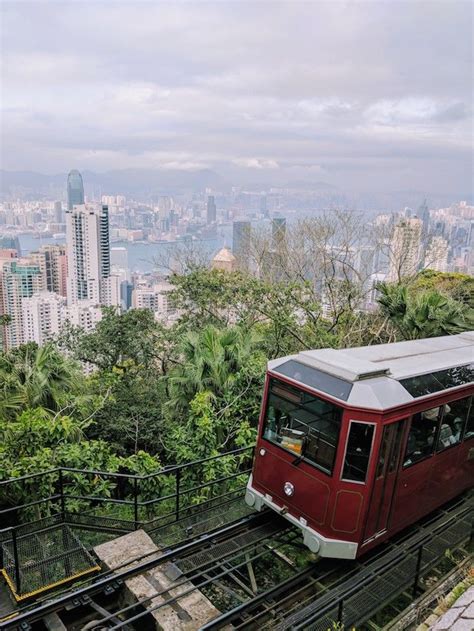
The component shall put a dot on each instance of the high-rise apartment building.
(405, 249)
(42, 316)
(19, 279)
(211, 209)
(84, 315)
(88, 256)
(75, 189)
(241, 235)
(436, 255)
(58, 212)
(278, 232)
(155, 298)
(52, 262)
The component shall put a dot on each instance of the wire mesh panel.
(39, 561)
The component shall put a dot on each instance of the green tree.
(286, 314)
(214, 360)
(423, 314)
(131, 417)
(33, 376)
(459, 287)
(130, 352)
(119, 341)
(209, 430)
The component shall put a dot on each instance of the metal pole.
(17, 562)
(178, 481)
(417, 571)
(2, 564)
(61, 491)
(340, 610)
(135, 502)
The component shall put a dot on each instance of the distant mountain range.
(149, 184)
(145, 183)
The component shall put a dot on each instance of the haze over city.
(236, 315)
(363, 96)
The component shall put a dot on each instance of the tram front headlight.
(289, 489)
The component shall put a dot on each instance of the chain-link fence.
(46, 513)
(40, 560)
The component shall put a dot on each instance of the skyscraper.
(19, 279)
(278, 232)
(58, 212)
(51, 259)
(42, 316)
(436, 255)
(405, 249)
(424, 215)
(211, 209)
(75, 189)
(88, 256)
(241, 242)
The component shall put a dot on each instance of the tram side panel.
(436, 465)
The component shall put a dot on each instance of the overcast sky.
(366, 95)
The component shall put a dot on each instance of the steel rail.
(208, 581)
(114, 576)
(201, 571)
(28, 607)
(272, 592)
(409, 548)
(374, 565)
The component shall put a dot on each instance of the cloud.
(255, 163)
(415, 111)
(282, 88)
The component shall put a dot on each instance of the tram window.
(452, 423)
(470, 422)
(383, 451)
(305, 425)
(422, 436)
(358, 449)
(422, 385)
(314, 378)
(395, 446)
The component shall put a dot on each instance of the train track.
(314, 600)
(222, 542)
(222, 563)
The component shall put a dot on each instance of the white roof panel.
(375, 371)
(398, 360)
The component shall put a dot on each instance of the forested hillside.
(154, 395)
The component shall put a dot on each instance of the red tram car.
(356, 444)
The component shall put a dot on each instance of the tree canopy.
(135, 395)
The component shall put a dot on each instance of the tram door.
(385, 480)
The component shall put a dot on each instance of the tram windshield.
(303, 424)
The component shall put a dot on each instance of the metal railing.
(111, 502)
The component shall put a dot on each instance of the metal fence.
(111, 503)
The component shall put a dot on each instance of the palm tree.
(426, 314)
(33, 376)
(211, 361)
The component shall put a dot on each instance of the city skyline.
(58, 284)
(357, 95)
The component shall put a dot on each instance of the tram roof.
(384, 375)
